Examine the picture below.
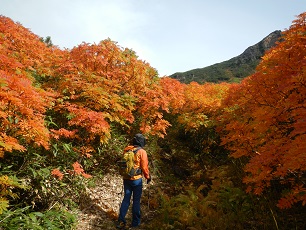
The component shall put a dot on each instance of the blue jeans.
(131, 187)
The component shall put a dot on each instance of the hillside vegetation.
(234, 69)
(222, 156)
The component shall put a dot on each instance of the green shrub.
(24, 218)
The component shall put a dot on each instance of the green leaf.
(4, 203)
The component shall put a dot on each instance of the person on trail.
(133, 185)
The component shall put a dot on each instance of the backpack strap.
(138, 170)
(136, 150)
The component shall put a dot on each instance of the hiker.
(133, 185)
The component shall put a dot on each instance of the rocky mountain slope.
(234, 69)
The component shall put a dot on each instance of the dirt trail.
(99, 210)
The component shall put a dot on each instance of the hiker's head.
(139, 140)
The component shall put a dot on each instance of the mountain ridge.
(234, 69)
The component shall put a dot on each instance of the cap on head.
(139, 140)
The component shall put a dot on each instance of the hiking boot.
(120, 225)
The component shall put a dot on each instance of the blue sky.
(171, 35)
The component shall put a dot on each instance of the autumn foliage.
(265, 119)
(62, 107)
(202, 104)
(22, 103)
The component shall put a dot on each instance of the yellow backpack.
(127, 164)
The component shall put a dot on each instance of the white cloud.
(99, 21)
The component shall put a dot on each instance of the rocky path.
(99, 210)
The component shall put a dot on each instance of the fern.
(7, 184)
